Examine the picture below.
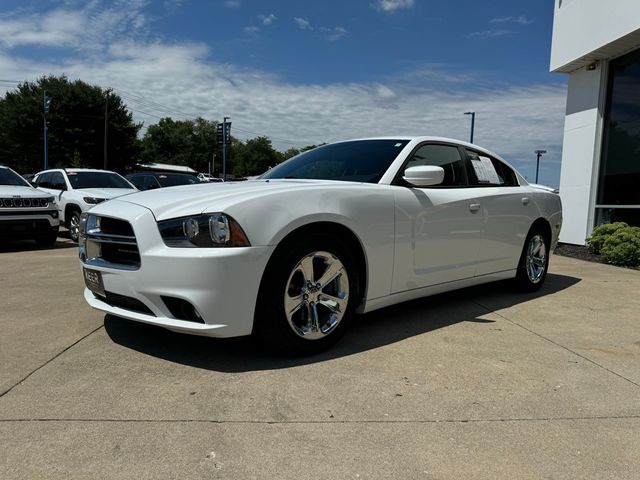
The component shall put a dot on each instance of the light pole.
(539, 153)
(106, 126)
(46, 104)
(473, 123)
(225, 133)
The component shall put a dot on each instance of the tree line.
(76, 134)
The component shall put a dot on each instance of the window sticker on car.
(398, 145)
(485, 171)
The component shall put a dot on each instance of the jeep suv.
(79, 189)
(25, 212)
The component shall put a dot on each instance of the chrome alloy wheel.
(317, 295)
(74, 226)
(536, 260)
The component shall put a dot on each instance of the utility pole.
(106, 125)
(225, 134)
(473, 123)
(539, 153)
(46, 103)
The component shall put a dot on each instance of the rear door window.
(489, 171)
(57, 181)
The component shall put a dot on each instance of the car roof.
(75, 170)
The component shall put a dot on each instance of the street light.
(473, 122)
(539, 153)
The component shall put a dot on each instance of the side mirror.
(424, 175)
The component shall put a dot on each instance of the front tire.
(307, 296)
(73, 224)
(534, 261)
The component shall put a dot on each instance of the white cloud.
(303, 23)
(251, 30)
(490, 34)
(267, 19)
(385, 92)
(334, 33)
(392, 5)
(233, 3)
(91, 27)
(520, 19)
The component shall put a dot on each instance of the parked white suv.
(78, 189)
(26, 212)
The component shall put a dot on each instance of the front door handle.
(525, 200)
(474, 207)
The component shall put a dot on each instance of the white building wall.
(583, 26)
(581, 153)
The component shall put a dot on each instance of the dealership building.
(597, 43)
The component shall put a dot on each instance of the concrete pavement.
(480, 383)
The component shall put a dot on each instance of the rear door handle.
(525, 200)
(474, 207)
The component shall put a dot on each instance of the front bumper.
(220, 283)
(21, 224)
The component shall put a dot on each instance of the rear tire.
(534, 261)
(307, 296)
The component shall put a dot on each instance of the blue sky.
(310, 72)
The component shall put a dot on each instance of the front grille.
(16, 228)
(111, 242)
(124, 302)
(49, 212)
(24, 202)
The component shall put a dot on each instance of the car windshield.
(97, 180)
(9, 177)
(169, 180)
(353, 161)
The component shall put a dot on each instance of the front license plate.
(93, 281)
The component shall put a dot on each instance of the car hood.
(11, 191)
(174, 202)
(104, 192)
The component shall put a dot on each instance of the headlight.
(93, 200)
(209, 230)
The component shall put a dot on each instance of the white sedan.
(343, 228)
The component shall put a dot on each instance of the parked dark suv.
(151, 180)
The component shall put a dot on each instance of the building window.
(618, 192)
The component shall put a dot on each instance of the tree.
(182, 142)
(75, 127)
(254, 157)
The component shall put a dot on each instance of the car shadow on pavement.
(30, 245)
(369, 331)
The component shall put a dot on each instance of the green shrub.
(623, 247)
(601, 233)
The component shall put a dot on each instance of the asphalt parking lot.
(480, 383)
